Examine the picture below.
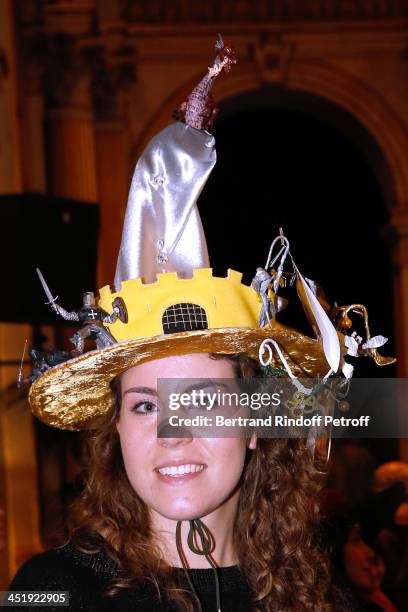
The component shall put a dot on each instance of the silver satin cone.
(162, 230)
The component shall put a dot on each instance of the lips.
(179, 471)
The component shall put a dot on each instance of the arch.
(370, 109)
(333, 84)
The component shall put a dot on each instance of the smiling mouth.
(180, 470)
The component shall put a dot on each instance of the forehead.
(195, 365)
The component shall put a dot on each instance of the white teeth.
(178, 470)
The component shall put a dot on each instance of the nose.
(165, 433)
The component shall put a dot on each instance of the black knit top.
(86, 577)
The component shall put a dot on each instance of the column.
(10, 144)
(114, 66)
(71, 140)
(113, 184)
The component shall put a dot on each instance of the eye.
(144, 408)
(208, 404)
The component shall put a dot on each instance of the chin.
(184, 512)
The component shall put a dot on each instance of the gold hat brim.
(76, 394)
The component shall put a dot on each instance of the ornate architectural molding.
(236, 11)
(112, 72)
(52, 65)
(78, 72)
(272, 55)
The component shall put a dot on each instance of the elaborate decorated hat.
(166, 300)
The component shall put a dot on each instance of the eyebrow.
(143, 390)
(209, 383)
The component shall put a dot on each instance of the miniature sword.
(20, 369)
(47, 291)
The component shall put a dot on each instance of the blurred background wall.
(313, 136)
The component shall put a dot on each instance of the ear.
(117, 424)
(252, 442)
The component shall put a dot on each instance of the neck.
(220, 522)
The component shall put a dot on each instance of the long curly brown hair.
(275, 528)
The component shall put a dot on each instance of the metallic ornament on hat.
(199, 110)
(366, 347)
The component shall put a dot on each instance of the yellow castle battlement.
(226, 301)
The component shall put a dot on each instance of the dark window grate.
(184, 317)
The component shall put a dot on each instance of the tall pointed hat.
(169, 301)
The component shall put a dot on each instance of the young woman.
(256, 498)
(189, 523)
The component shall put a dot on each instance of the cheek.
(227, 447)
(134, 445)
(129, 454)
(229, 458)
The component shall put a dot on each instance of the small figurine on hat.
(90, 316)
(43, 361)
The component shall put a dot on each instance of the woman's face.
(212, 466)
(358, 561)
